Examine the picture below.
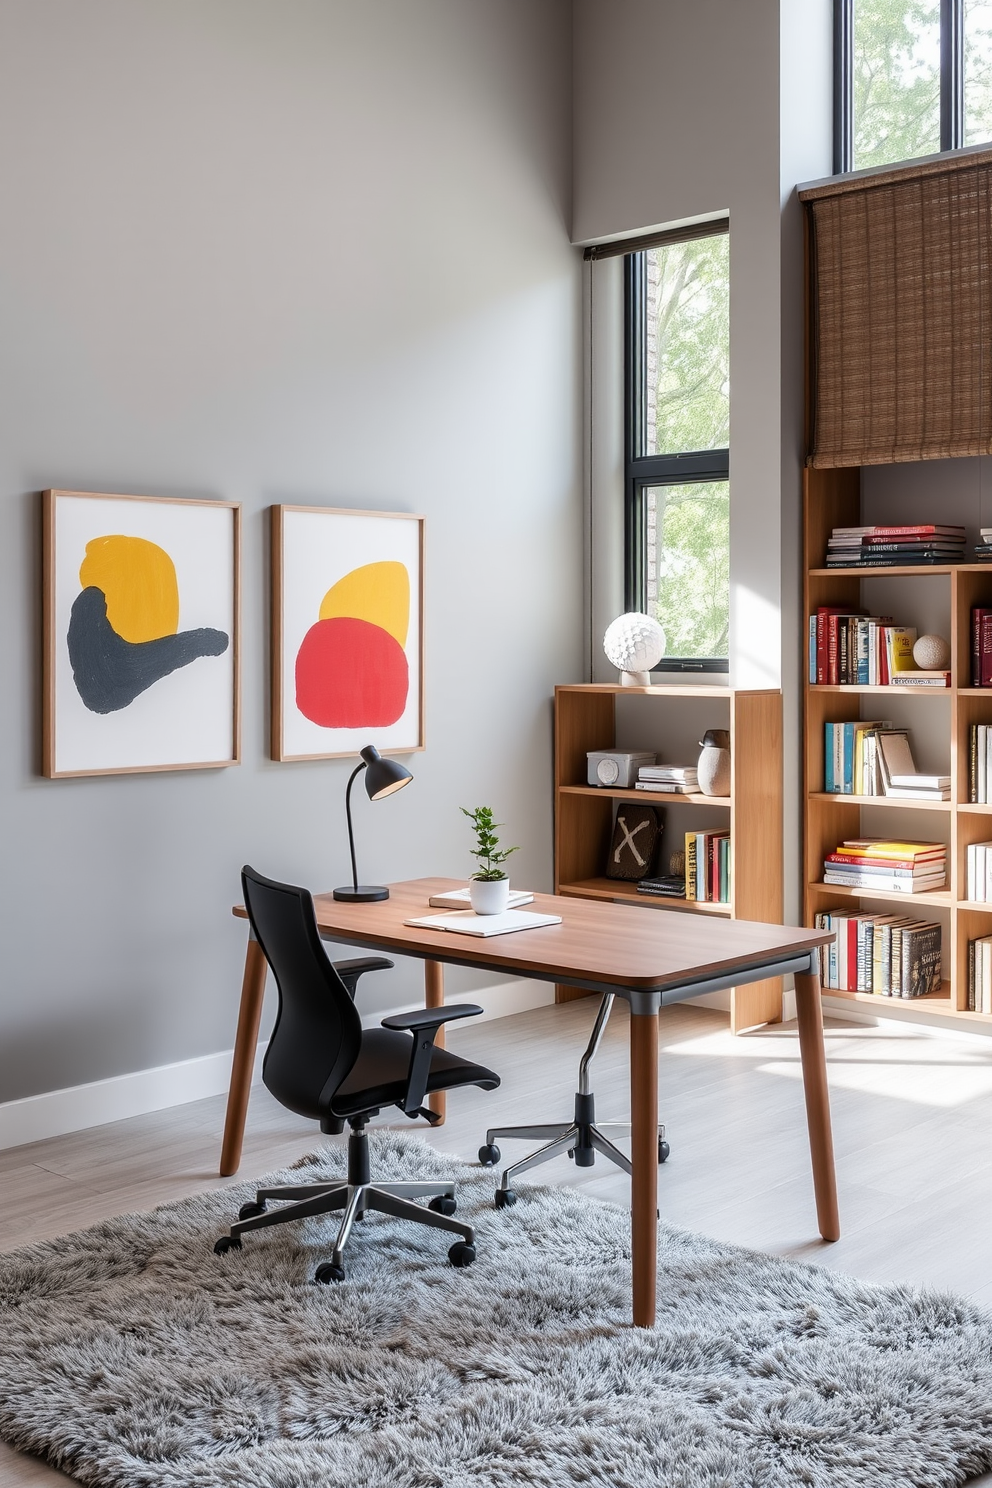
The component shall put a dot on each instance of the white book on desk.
(467, 922)
(460, 899)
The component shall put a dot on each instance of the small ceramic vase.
(489, 895)
(714, 763)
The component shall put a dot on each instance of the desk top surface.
(619, 945)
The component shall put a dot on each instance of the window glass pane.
(687, 346)
(977, 71)
(688, 558)
(896, 80)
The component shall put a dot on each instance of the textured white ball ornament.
(634, 643)
(932, 653)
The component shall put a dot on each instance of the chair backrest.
(318, 1030)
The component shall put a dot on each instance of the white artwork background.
(188, 716)
(318, 549)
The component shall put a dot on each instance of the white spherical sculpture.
(932, 653)
(634, 643)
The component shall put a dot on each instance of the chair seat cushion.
(379, 1075)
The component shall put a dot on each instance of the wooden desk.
(650, 959)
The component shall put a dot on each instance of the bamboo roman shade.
(901, 314)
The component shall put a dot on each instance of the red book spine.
(832, 649)
(852, 954)
(883, 655)
(976, 646)
(821, 647)
(986, 667)
(923, 529)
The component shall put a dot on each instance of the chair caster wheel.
(329, 1272)
(504, 1198)
(252, 1210)
(443, 1204)
(489, 1155)
(226, 1243)
(461, 1253)
(664, 1151)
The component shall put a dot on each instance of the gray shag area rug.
(131, 1355)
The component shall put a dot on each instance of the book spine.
(971, 976)
(849, 730)
(812, 649)
(862, 630)
(885, 976)
(921, 969)
(821, 647)
(883, 655)
(843, 651)
(852, 954)
(832, 649)
(986, 667)
(690, 865)
(973, 762)
(828, 758)
(976, 646)
(895, 971)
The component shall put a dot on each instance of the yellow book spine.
(690, 865)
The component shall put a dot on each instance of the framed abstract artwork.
(347, 632)
(141, 648)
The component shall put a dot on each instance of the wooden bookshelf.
(587, 717)
(832, 498)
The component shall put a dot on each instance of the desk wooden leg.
(245, 1042)
(644, 1157)
(434, 986)
(809, 1012)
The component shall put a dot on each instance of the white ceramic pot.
(714, 763)
(489, 895)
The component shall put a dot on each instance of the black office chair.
(320, 1063)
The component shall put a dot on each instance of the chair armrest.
(431, 1017)
(350, 971)
(424, 1023)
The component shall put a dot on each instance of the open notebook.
(467, 922)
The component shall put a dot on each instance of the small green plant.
(487, 849)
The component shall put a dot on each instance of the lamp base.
(364, 894)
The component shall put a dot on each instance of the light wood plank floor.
(912, 1117)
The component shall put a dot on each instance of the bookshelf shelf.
(619, 892)
(899, 690)
(832, 498)
(885, 801)
(978, 905)
(669, 720)
(651, 798)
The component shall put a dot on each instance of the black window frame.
(642, 471)
(952, 109)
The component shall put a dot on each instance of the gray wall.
(682, 112)
(279, 250)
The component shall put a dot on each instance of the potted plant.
(489, 886)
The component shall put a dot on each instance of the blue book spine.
(812, 649)
(849, 758)
(828, 758)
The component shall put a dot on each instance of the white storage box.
(616, 767)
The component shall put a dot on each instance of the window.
(911, 77)
(677, 308)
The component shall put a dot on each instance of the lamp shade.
(382, 776)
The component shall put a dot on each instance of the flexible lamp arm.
(351, 835)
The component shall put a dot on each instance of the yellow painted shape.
(376, 592)
(138, 580)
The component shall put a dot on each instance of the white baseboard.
(55, 1113)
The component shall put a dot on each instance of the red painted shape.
(351, 674)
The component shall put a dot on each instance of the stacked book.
(980, 975)
(875, 759)
(707, 867)
(887, 954)
(981, 646)
(980, 763)
(983, 548)
(865, 651)
(671, 780)
(894, 547)
(978, 866)
(888, 867)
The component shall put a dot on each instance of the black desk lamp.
(382, 777)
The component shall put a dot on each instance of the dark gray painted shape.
(110, 672)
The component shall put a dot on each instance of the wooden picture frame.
(347, 632)
(141, 634)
